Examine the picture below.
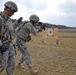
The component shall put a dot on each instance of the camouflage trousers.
(7, 60)
(25, 54)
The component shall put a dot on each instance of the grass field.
(52, 59)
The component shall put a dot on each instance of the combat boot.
(32, 71)
(19, 66)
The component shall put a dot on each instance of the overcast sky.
(51, 11)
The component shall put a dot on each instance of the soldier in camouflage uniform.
(7, 51)
(23, 35)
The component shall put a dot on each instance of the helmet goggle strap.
(10, 9)
(33, 21)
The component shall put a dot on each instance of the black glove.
(41, 25)
(20, 19)
(3, 48)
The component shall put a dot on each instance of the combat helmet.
(34, 18)
(11, 5)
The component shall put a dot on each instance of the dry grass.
(52, 59)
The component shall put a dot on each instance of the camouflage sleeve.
(31, 28)
(12, 34)
(1, 24)
(1, 21)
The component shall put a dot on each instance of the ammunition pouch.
(3, 48)
(28, 38)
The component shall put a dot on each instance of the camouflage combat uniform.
(7, 58)
(7, 50)
(22, 36)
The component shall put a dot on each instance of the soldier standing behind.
(23, 35)
(7, 51)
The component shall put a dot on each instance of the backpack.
(19, 28)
